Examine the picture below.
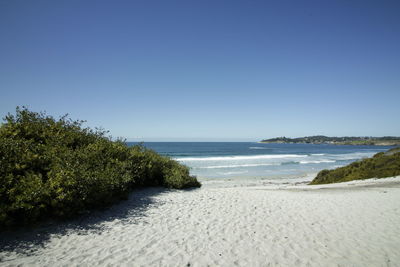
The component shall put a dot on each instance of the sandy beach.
(267, 224)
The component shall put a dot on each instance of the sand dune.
(349, 224)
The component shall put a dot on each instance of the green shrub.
(57, 168)
(381, 165)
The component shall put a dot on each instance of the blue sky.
(206, 70)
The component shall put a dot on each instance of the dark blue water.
(222, 160)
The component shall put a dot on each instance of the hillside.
(381, 165)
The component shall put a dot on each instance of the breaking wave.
(279, 156)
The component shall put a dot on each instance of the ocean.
(250, 160)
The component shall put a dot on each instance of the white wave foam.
(258, 147)
(318, 154)
(281, 156)
(238, 166)
(230, 173)
(316, 161)
(352, 156)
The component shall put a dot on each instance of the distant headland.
(347, 140)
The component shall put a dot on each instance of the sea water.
(247, 160)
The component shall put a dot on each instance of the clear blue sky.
(206, 70)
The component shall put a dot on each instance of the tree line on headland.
(347, 140)
(56, 168)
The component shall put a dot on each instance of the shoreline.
(351, 223)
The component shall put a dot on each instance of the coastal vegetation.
(381, 165)
(347, 140)
(57, 168)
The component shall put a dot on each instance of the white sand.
(349, 224)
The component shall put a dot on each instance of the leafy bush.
(57, 168)
(379, 166)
